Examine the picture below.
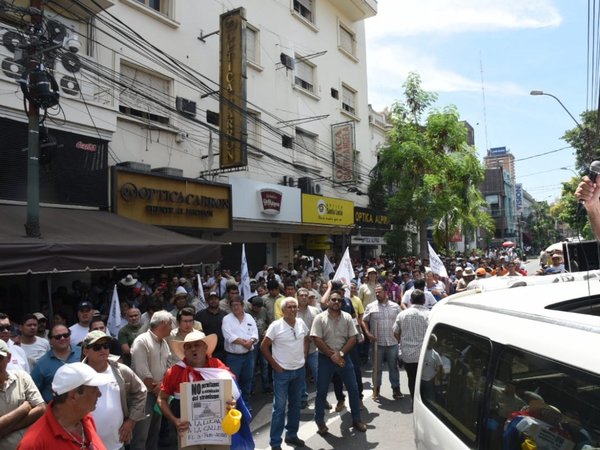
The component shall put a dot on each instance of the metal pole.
(32, 227)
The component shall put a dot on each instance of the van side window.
(549, 403)
(457, 393)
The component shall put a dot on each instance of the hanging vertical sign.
(519, 197)
(232, 105)
(342, 138)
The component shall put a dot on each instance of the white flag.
(437, 266)
(114, 317)
(344, 272)
(245, 285)
(327, 267)
(201, 299)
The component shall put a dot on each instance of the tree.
(542, 225)
(567, 210)
(428, 170)
(585, 139)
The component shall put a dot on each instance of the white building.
(145, 92)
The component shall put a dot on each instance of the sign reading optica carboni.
(327, 210)
(172, 202)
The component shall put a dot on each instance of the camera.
(72, 44)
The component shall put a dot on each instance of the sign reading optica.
(327, 210)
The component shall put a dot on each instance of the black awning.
(75, 240)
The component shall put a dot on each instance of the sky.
(484, 57)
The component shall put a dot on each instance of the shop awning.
(75, 240)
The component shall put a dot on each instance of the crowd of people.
(295, 325)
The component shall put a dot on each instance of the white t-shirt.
(18, 358)
(431, 363)
(430, 300)
(78, 333)
(288, 343)
(108, 413)
(36, 350)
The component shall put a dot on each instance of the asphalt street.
(389, 421)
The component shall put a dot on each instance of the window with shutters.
(347, 40)
(252, 45)
(305, 149)
(305, 9)
(348, 100)
(304, 74)
(144, 95)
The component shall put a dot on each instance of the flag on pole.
(327, 267)
(437, 266)
(201, 299)
(245, 285)
(114, 317)
(345, 272)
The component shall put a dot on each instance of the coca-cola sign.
(270, 201)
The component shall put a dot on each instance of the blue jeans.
(313, 365)
(391, 356)
(287, 388)
(338, 386)
(265, 368)
(242, 367)
(326, 370)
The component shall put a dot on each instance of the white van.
(514, 368)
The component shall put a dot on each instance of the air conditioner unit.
(305, 184)
(317, 189)
(180, 137)
(185, 106)
(290, 181)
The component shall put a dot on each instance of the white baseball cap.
(71, 376)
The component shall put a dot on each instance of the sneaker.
(398, 394)
(322, 428)
(359, 426)
(295, 441)
(341, 405)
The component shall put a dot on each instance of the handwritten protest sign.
(203, 405)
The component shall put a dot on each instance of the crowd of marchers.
(296, 326)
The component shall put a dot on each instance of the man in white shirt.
(288, 337)
(123, 399)
(240, 334)
(18, 358)
(85, 312)
(430, 300)
(34, 346)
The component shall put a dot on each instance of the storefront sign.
(367, 240)
(319, 242)
(172, 202)
(270, 201)
(327, 210)
(497, 151)
(256, 200)
(232, 109)
(519, 197)
(370, 218)
(343, 151)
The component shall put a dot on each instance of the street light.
(570, 170)
(588, 142)
(559, 102)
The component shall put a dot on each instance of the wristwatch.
(341, 353)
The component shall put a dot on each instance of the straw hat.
(210, 341)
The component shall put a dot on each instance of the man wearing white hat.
(196, 363)
(21, 404)
(67, 422)
(115, 425)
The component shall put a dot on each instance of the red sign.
(343, 152)
(270, 201)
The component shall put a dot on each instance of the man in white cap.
(115, 425)
(21, 404)
(67, 422)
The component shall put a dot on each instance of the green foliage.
(431, 174)
(585, 140)
(567, 209)
(542, 225)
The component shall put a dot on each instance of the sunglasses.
(4, 328)
(98, 347)
(335, 299)
(61, 336)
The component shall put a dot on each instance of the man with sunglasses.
(115, 425)
(61, 352)
(335, 334)
(18, 358)
(288, 338)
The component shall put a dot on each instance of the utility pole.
(32, 227)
